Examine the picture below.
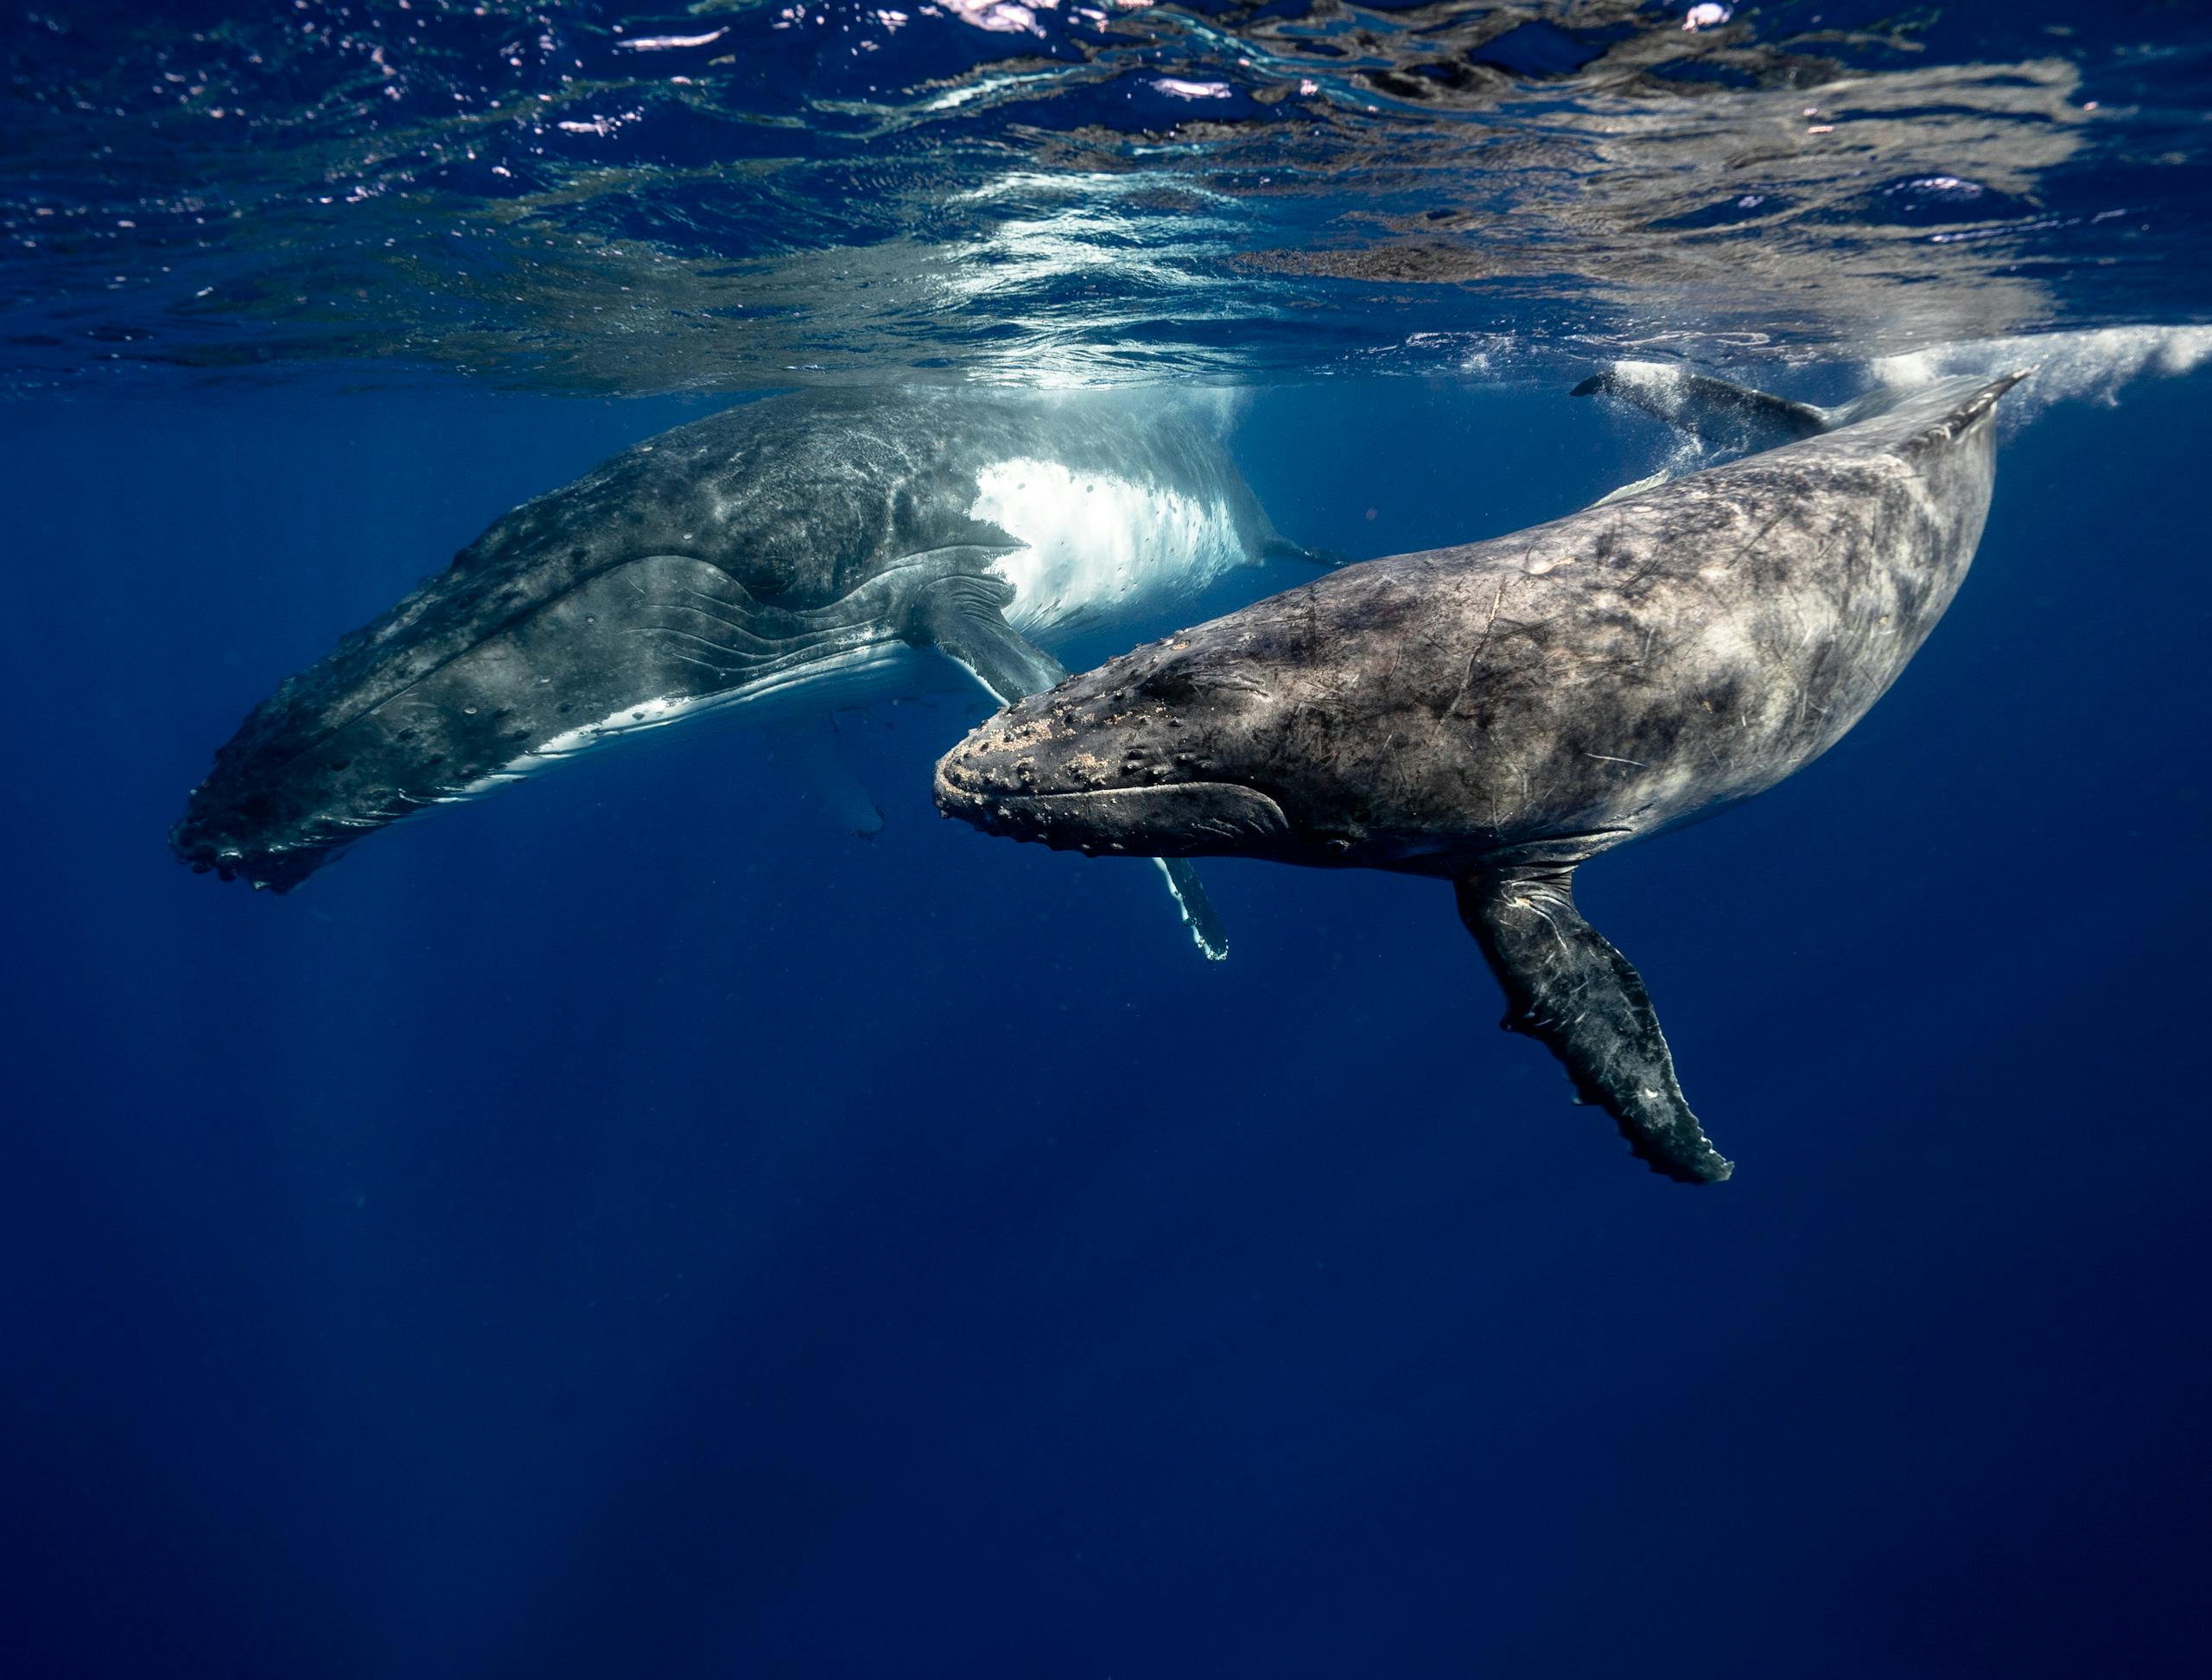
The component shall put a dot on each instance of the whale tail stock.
(1567, 987)
(1737, 418)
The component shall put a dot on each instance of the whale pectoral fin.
(1636, 488)
(1566, 986)
(809, 747)
(964, 619)
(1278, 547)
(1199, 913)
(1716, 413)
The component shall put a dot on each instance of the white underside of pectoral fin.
(1093, 545)
(1199, 913)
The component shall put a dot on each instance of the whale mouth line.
(1167, 819)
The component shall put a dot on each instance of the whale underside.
(790, 555)
(1498, 714)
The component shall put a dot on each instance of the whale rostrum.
(1498, 714)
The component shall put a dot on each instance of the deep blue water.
(625, 1227)
(622, 1227)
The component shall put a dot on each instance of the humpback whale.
(812, 550)
(1498, 714)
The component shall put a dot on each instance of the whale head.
(368, 737)
(1163, 752)
(1265, 733)
(470, 685)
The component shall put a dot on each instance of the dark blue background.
(622, 1228)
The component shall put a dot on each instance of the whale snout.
(229, 850)
(1186, 819)
(272, 814)
(245, 824)
(1131, 783)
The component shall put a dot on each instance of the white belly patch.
(1095, 547)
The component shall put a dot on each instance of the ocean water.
(628, 1226)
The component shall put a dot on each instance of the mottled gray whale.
(1498, 714)
(802, 552)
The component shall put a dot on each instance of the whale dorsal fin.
(1718, 415)
(1566, 986)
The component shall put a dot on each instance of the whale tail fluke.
(1568, 987)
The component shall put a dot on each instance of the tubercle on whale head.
(210, 849)
(237, 829)
(1129, 759)
(286, 799)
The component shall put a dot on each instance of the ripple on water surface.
(732, 194)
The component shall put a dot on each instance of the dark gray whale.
(1498, 714)
(803, 552)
